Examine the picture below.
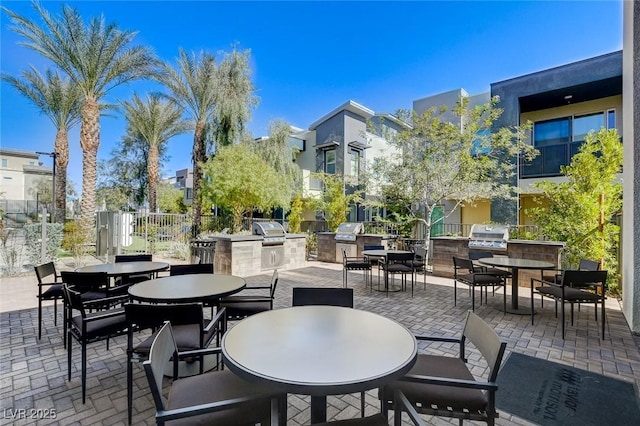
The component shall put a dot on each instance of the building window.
(354, 165)
(4, 162)
(330, 161)
(558, 140)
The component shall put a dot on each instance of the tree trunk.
(89, 142)
(61, 148)
(199, 156)
(152, 171)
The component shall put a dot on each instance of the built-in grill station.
(346, 236)
(489, 237)
(272, 244)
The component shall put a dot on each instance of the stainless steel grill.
(272, 232)
(348, 231)
(491, 237)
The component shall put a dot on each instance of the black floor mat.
(549, 393)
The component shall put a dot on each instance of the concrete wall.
(631, 183)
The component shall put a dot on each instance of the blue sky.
(310, 57)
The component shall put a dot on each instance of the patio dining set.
(237, 364)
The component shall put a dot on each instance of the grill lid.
(489, 236)
(272, 232)
(347, 231)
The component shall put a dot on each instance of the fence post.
(43, 236)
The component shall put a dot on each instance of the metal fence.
(18, 213)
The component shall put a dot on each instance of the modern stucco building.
(563, 104)
(20, 172)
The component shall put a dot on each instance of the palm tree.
(60, 101)
(154, 122)
(217, 99)
(96, 57)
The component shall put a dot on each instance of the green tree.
(279, 154)
(97, 57)
(170, 199)
(458, 158)
(154, 121)
(581, 210)
(295, 214)
(337, 200)
(41, 190)
(60, 101)
(216, 99)
(239, 180)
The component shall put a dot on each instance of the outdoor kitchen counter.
(444, 248)
(242, 255)
(327, 244)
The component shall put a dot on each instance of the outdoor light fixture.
(53, 155)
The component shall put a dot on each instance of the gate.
(139, 232)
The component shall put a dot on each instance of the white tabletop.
(319, 350)
(186, 288)
(125, 268)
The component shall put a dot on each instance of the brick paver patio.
(33, 373)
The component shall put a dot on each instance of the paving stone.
(34, 373)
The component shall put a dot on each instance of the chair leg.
(362, 404)
(55, 312)
(39, 318)
(454, 292)
(84, 371)
(129, 388)
(69, 348)
(602, 316)
(562, 319)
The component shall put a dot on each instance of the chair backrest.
(85, 281)
(588, 265)
(304, 296)
(192, 268)
(274, 283)
(400, 257)
(73, 299)
(475, 255)
(584, 279)
(485, 339)
(371, 247)
(143, 257)
(162, 350)
(421, 251)
(45, 270)
(152, 316)
(460, 263)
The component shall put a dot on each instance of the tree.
(239, 180)
(277, 153)
(154, 122)
(581, 210)
(96, 57)
(336, 201)
(460, 160)
(60, 101)
(216, 99)
(170, 199)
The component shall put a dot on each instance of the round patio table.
(319, 351)
(515, 265)
(125, 268)
(187, 288)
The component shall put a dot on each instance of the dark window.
(330, 161)
(552, 132)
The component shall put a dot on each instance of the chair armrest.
(91, 304)
(458, 383)
(179, 413)
(219, 317)
(402, 403)
(199, 352)
(439, 339)
(100, 315)
(257, 287)
(50, 284)
(550, 283)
